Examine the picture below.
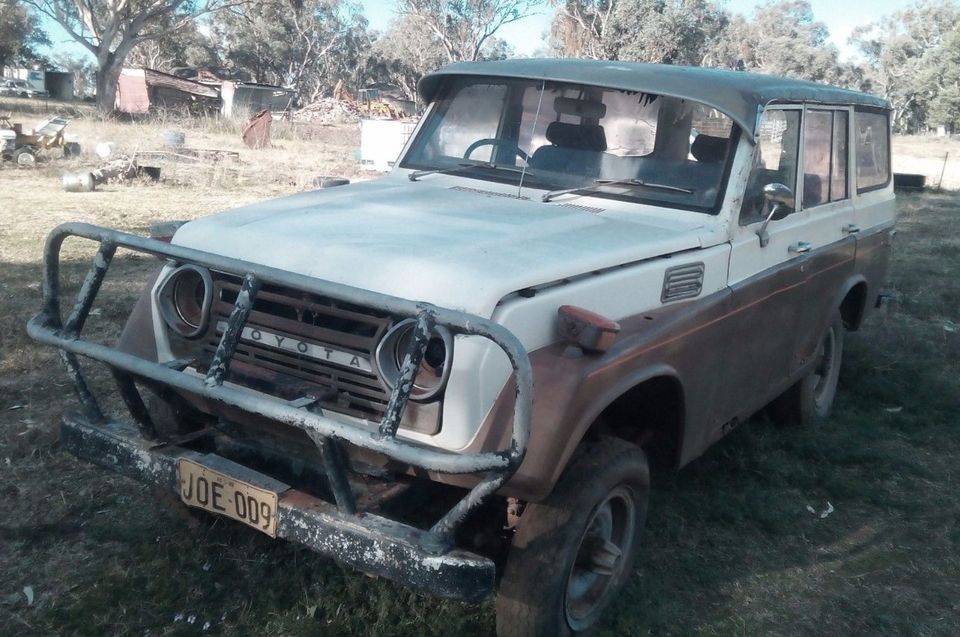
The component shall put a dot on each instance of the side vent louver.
(682, 282)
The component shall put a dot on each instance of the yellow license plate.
(213, 491)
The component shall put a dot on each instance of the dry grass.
(936, 157)
(730, 547)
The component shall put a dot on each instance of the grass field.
(731, 547)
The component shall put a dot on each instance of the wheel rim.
(823, 372)
(26, 159)
(603, 552)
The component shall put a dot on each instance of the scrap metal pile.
(328, 110)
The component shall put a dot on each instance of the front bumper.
(426, 560)
(363, 541)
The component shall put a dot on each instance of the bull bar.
(93, 437)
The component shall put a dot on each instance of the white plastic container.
(381, 141)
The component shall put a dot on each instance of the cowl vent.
(682, 282)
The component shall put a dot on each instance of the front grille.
(298, 344)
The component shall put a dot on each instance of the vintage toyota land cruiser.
(574, 266)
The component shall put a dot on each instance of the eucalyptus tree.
(110, 29)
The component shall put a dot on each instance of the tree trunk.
(108, 74)
(110, 64)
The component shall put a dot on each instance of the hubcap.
(824, 367)
(605, 543)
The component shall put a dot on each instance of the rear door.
(829, 235)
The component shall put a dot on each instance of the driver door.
(766, 280)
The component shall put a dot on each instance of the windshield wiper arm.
(600, 183)
(417, 174)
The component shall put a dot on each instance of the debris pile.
(328, 110)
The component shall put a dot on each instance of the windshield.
(566, 136)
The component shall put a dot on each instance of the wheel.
(574, 550)
(811, 398)
(24, 157)
(492, 141)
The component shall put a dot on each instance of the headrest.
(707, 148)
(577, 136)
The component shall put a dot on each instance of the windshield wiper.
(417, 174)
(600, 183)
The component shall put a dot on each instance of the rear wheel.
(574, 550)
(811, 398)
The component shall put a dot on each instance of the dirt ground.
(731, 547)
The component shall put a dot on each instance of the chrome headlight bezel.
(392, 348)
(173, 298)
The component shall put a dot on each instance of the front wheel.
(574, 550)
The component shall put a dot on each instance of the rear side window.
(873, 150)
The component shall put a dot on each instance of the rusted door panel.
(873, 260)
(760, 337)
(827, 270)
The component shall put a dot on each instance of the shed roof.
(738, 94)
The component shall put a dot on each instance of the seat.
(574, 148)
(709, 149)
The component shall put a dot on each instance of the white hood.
(426, 241)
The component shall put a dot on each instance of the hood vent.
(682, 282)
(576, 206)
(489, 193)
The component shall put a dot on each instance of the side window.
(824, 157)
(774, 161)
(873, 150)
(817, 151)
(838, 183)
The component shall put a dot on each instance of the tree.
(464, 28)
(659, 31)
(907, 56)
(943, 84)
(666, 32)
(405, 53)
(579, 29)
(187, 46)
(783, 38)
(20, 35)
(110, 29)
(307, 46)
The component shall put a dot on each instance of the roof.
(738, 94)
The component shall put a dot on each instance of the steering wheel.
(493, 141)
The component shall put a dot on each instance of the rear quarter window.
(873, 150)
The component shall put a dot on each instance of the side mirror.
(781, 204)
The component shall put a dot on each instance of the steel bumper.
(363, 541)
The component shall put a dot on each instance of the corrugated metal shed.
(140, 90)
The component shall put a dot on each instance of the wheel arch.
(851, 300)
(619, 410)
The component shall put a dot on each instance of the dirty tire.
(550, 585)
(24, 157)
(811, 398)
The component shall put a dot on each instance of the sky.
(528, 35)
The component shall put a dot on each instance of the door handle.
(851, 228)
(800, 247)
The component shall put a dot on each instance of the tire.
(24, 158)
(811, 398)
(548, 589)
